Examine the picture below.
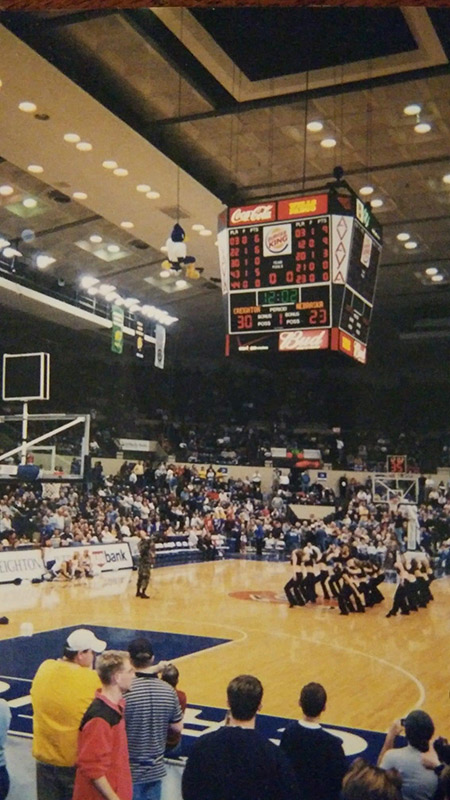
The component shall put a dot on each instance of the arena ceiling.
(208, 107)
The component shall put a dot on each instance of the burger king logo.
(277, 240)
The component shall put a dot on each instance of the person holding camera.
(418, 782)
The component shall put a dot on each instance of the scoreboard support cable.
(300, 273)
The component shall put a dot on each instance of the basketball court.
(219, 619)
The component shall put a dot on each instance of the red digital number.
(257, 260)
(289, 276)
(318, 316)
(311, 266)
(326, 276)
(300, 279)
(244, 322)
(272, 278)
(312, 277)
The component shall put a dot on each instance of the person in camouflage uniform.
(146, 561)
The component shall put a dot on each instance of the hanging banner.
(117, 317)
(139, 339)
(160, 344)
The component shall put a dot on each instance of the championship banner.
(117, 317)
(160, 344)
(139, 339)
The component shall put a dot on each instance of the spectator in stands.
(5, 720)
(103, 770)
(235, 761)
(152, 710)
(60, 694)
(316, 755)
(365, 782)
(171, 675)
(418, 782)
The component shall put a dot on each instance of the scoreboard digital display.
(300, 273)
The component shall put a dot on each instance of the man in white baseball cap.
(61, 692)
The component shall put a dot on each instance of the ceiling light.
(112, 297)
(27, 107)
(446, 178)
(198, 227)
(110, 164)
(431, 271)
(113, 248)
(79, 196)
(35, 168)
(43, 261)
(410, 245)
(422, 127)
(437, 278)
(120, 172)
(84, 146)
(206, 232)
(119, 301)
(327, 143)
(412, 110)
(163, 249)
(143, 187)
(376, 202)
(314, 126)
(95, 238)
(127, 224)
(366, 190)
(29, 202)
(87, 281)
(106, 288)
(10, 252)
(403, 237)
(4, 242)
(181, 284)
(6, 190)
(164, 273)
(92, 290)
(170, 320)
(73, 138)
(130, 301)
(134, 307)
(216, 243)
(153, 195)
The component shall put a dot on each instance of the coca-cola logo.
(303, 340)
(277, 240)
(262, 213)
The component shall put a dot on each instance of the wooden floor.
(374, 669)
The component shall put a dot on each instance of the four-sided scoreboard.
(300, 273)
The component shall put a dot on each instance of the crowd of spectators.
(107, 738)
(210, 510)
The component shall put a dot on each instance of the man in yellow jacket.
(61, 692)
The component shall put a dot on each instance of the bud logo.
(277, 240)
(303, 340)
(261, 213)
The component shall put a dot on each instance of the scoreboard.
(300, 273)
